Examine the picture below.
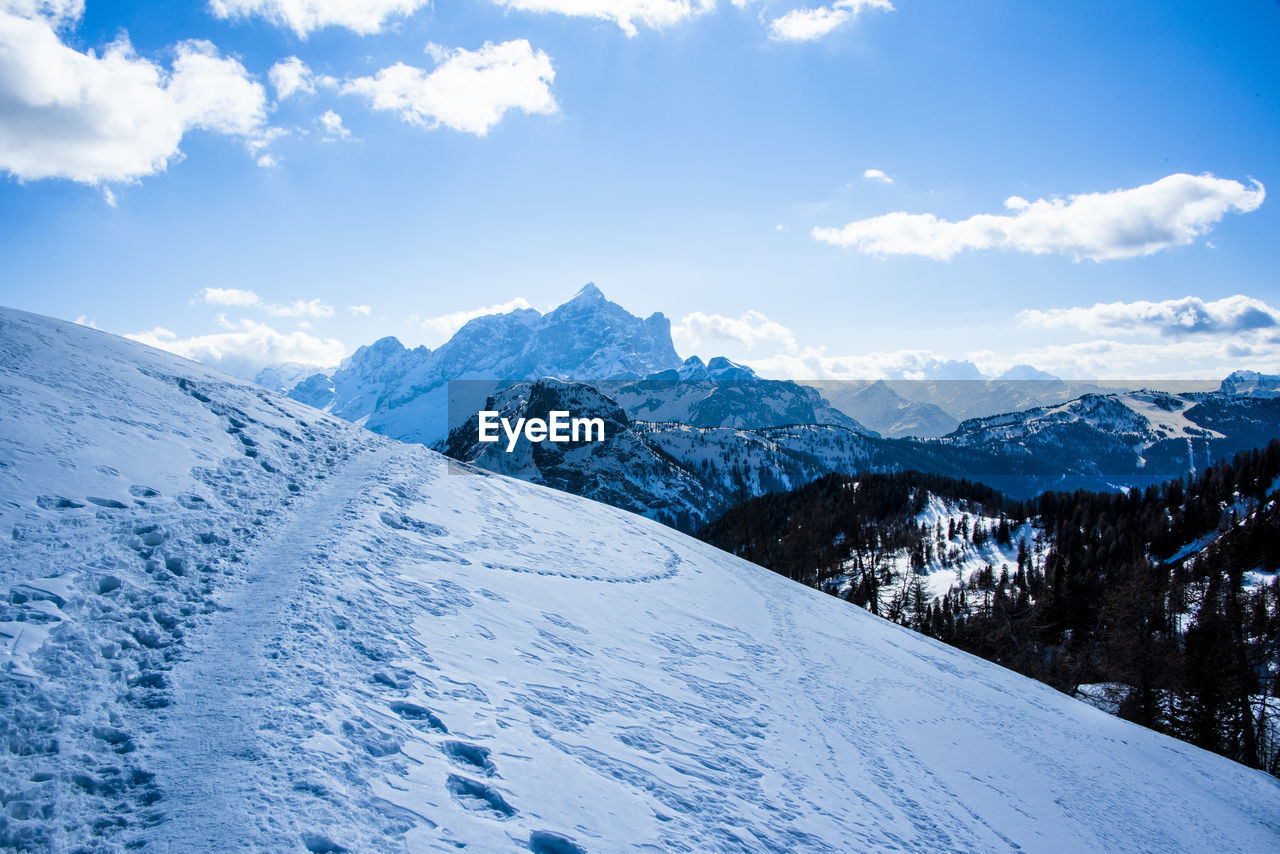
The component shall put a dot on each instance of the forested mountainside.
(1163, 604)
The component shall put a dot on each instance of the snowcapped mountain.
(234, 623)
(722, 393)
(624, 470)
(402, 393)
(281, 377)
(886, 411)
(1251, 384)
(1134, 439)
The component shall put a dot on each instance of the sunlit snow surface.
(276, 632)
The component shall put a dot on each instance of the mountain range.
(693, 437)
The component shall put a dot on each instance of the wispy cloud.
(877, 175)
(227, 296)
(313, 308)
(300, 308)
(803, 25)
(359, 310)
(1172, 211)
(468, 91)
(655, 14)
(305, 16)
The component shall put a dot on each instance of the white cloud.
(1193, 358)
(86, 320)
(300, 308)
(1173, 318)
(813, 363)
(109, 196)
(712, 334)
(331, 122)
(443, 326)
(228, 296)
(877, 175)
(468, 91)
(359, 310)
(304, 16)
(290, 76)
(111, 117)
(625, 13)
(56, 12)
(1172, 211)
(802, 25)
(268, 161)
(314, 309)
(246, 346)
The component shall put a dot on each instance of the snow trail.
(208, 757)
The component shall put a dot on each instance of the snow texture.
(235, 624)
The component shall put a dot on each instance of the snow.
(1167, 415)
(344, 643)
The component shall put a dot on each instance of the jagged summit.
(589, 291)
(1251, 384)
(402, 393)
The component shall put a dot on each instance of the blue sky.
(802, 204)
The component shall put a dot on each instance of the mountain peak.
(1019, 373)
(589, 291)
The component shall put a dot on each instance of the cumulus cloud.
(1172, 211)
(468, 90)
(304, 16)
(714, 333)
(291, 76)
(656, 14)
(443, 326)
(111, 117)
(228, 296)
(331, 124)
(877, 175)
(360, 310)
(1172, 318)
(244, 347)
(802, 25)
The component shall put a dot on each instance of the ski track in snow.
(207, 749)
(350, 644)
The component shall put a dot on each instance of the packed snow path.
(207, 750)
(235, 624)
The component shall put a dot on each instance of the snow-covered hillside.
(235, 624)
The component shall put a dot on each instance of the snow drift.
(234, 623)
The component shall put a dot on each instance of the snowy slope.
(343, 643)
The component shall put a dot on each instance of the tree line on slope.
(1146, 593)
